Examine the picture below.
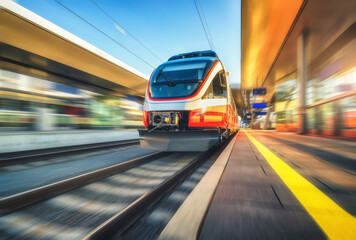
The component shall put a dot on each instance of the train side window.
(209, 94)
(223, 83)
(217, 87)
(220, 90)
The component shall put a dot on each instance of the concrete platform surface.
(282, 186)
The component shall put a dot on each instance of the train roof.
(207, 53)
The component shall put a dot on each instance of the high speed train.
(188, 104)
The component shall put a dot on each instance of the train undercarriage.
(169, 131)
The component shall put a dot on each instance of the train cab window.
(178, 79)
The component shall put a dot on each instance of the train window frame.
(223, 81)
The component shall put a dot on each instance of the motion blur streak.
(31, 103)
(332, 219)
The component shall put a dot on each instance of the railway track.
(131, 188)
(17, 201)
(14, 158)
(120, 222)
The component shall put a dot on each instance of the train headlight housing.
(166, 119)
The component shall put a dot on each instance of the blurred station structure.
(53, 80)
(302, 53)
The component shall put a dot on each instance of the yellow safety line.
(332, 219)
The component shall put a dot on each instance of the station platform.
(271, 185)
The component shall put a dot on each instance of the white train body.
(188, 99)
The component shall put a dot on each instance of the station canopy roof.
(30, 43)
(265, 26)
(270, 32)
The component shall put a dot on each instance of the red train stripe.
(213, 116)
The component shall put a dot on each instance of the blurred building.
(30, 103)
(52, 80)
(303, 53)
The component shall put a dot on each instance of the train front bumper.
(190, 141)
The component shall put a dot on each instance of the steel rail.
(120, 222)
(20, 200)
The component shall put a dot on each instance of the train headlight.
(166, 120)
(157, 119)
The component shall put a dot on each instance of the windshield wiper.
(170, 82)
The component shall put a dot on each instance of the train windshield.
(178, 79)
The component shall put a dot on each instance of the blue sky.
(166, 27)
